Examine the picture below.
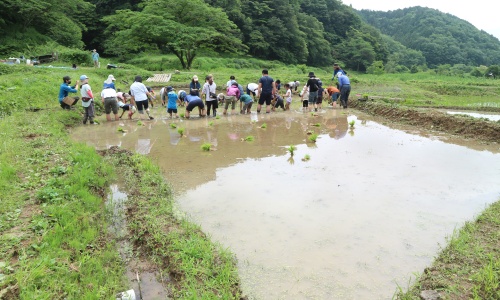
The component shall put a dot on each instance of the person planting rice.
(232, 96)
(193, 100)
(277, 102)
(246, 102)
(172, 102)
(140, 96)
(288, 96)
(122, 103)
(334, 93)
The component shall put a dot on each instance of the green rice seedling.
(211, 123)
(352, 123)
(139, 123)
(120, 129)
(181, 115)
(317, 125)
(249, 138)
(173, 125)
(180, 131)
(291, 149)
(96, 122)
(217, 117)
(206, 147)
(313, 137)
(307, 157)
(264, 125)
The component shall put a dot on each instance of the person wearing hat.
(337, 70)
(313, 86)
(95, 58)
(345, 89)
(232, 96)
(193, 101)
(140, 96)
(231, 79)
(64, 100)
(109, 83)
(110, 101)
(87, 100)
(195, 86)
(172, 101)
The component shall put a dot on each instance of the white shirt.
(108, 93)
(138, 90)
(207, 89)
(253, 87)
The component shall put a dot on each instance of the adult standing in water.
(337, 70)
(140, 96)
(267, 89)
(345, 89)
(195, 86)
(210, 95)
(313, 86)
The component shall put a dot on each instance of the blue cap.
(83, 77)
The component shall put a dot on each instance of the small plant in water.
(313, 137)
(291, 149)
(173, 125)
(180, 131)
(211, 123)
(249, 138)
(139, 123)
(264, 125)
(206, 147)
(120, 129)
(306, 157)
(181, 115)
(217, 117)
(352, 123)
(317, 124)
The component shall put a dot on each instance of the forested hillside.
(312, 32)
(441, 37)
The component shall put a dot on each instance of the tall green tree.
(182, 27)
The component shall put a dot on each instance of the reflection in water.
(361, 214)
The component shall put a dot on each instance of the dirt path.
(467, 127)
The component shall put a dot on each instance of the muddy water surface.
(490, 116)
(368, 209)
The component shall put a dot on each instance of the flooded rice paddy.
(489, 116)
(371, 206)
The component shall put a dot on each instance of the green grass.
(469, 266)
(53, 240)
(198, 268)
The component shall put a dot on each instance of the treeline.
(312, 32)
(442, 38)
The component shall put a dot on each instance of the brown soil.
(467, 127)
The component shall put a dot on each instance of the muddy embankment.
(432, 119)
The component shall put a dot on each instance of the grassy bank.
(469, 266)
(54, 239)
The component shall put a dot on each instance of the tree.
(182, 27)
(376, 68)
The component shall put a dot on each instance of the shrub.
(75, 56)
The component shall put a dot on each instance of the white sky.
(481, 13)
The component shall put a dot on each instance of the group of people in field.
(205, 97)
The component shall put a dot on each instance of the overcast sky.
(480, 13)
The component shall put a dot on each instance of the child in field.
(334, 93)
(181, 95)
(246, 102)
(277, 102)
(288, 96)
(122, 103)
(304, 97)
(172, 101)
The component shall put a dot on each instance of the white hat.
(195, 78)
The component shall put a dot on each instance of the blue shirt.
(64, 90)
(336, 71)
(190, 98)
(343, 80)
(195, 86)
(267, 84)
(109, 86)
(95, 56)
(172, 100)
